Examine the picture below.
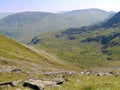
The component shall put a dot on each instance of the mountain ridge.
(29, 24)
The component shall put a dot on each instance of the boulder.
(100, 74)
(49, 83)
(60, 81)
(16, 70)
(34, 84)
(16, 82)
(41, 84)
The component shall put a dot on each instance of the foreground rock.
(40, 84)
(34, 84)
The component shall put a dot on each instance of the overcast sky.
(57, 5)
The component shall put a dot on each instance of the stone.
(60, 81)
(16, 82)
(17, 70)
(41, 84)
(100, 74)
(49, 83)
(34, 84)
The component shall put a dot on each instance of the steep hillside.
(91, 46)
(112, 22)
(23, 26)
(13, 50)
(13, 53)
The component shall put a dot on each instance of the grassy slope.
(12, 53)
(90, 83)
(13, 50)
(15, 55)
(83, 54)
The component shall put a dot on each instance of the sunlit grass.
(11, 77)
(14, 50)
(90, 83)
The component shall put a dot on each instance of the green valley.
(63, 54)
(91, 46)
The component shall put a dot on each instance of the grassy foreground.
(75, 82)
(90, 83)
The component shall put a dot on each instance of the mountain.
(92, 46)
(112, 22)
(23, 26)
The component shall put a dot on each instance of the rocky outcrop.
(103, 39)
(40, 84)
(35, 40)
(107, 41)
(74, 31)
(34, 84)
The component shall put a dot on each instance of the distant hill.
(111, 22)
(88, 46)
(2, 15)
(23, 26)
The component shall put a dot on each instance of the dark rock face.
(73, 31)
(96, 39)
(71, 37)
(105, 40)
(36, 40)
